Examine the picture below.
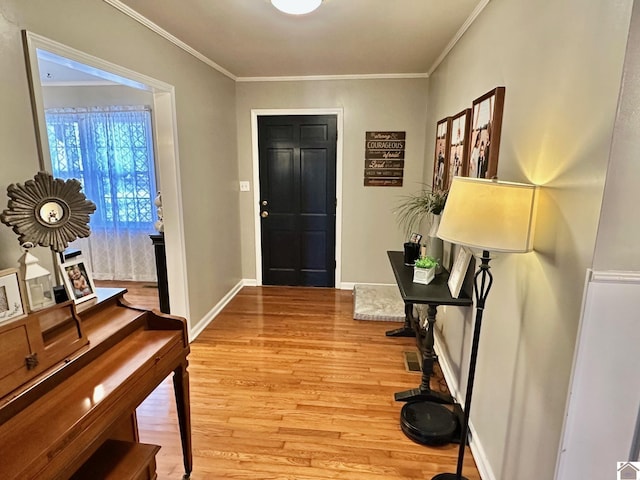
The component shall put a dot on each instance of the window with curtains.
(110, 151)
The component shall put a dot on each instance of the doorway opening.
(162, 97)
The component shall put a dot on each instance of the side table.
(433, 295)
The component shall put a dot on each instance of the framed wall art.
(441, 155)
(11, 300)
(484, 143)
(458, 272)
(459, 151)
(77, 280)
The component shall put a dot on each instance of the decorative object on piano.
(48, 211)
(424, 270)
(11, 302)
(159, 224)
(78, 280)
(36, 281)
(502, 220)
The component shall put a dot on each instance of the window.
(110, 151)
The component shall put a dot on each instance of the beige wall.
(619, 230)
(205, 103)
(561, 65)
(368, 224)
(88, 96)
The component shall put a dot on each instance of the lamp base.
(448, 476)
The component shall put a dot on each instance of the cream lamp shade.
(296, 7)
(489, 215)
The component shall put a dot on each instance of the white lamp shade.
(489, 215)
(296, 7)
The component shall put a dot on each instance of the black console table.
(435, 294)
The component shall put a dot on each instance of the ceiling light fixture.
(296, 7)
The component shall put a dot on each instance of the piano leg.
(181, 389)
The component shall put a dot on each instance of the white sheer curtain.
(110, 151)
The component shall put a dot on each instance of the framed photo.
(77, 280)
(459, 149)
(441, 155)
(458, 272)
(415, 238)
(486, 124)
(11, 300)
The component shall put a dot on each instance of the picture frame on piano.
(11, 299)
(77, 279)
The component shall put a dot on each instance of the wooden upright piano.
(74, 408)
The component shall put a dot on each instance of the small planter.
(423, 275)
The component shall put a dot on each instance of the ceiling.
(251, 39)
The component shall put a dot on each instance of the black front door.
(298, 199)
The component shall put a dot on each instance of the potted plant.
(424, 270)
(412, 209)
(427, 205)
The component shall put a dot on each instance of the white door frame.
(255, 113)
(166, 142)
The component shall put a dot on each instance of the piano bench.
(118, 460)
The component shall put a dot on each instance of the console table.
(433, 295)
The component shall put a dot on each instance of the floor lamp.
(489, 216)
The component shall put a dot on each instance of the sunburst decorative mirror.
(48, 211)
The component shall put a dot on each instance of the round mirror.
(51, 213)
(48, 211)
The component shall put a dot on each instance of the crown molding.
(372, 76)
(163, 33)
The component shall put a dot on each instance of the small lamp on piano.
(36, 281)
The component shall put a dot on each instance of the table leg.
(407, 329)
(429, 357)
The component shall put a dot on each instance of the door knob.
(264, 203)
(264, 214)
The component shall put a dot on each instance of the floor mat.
(378, 302)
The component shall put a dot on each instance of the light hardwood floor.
(285, 385)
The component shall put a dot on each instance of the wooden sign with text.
(384, 159)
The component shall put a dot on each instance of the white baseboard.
(475, 443)
(252, 282)
(350, 285)
(213, 313)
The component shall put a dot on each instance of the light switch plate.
(245, 186)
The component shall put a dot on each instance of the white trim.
(350, 285)
(215, 311)
(249, 282)
(372, 76)
(465, 26)
(615, 276)
(477, 449)
(166, 35)
(339, 113)
(165, 138)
